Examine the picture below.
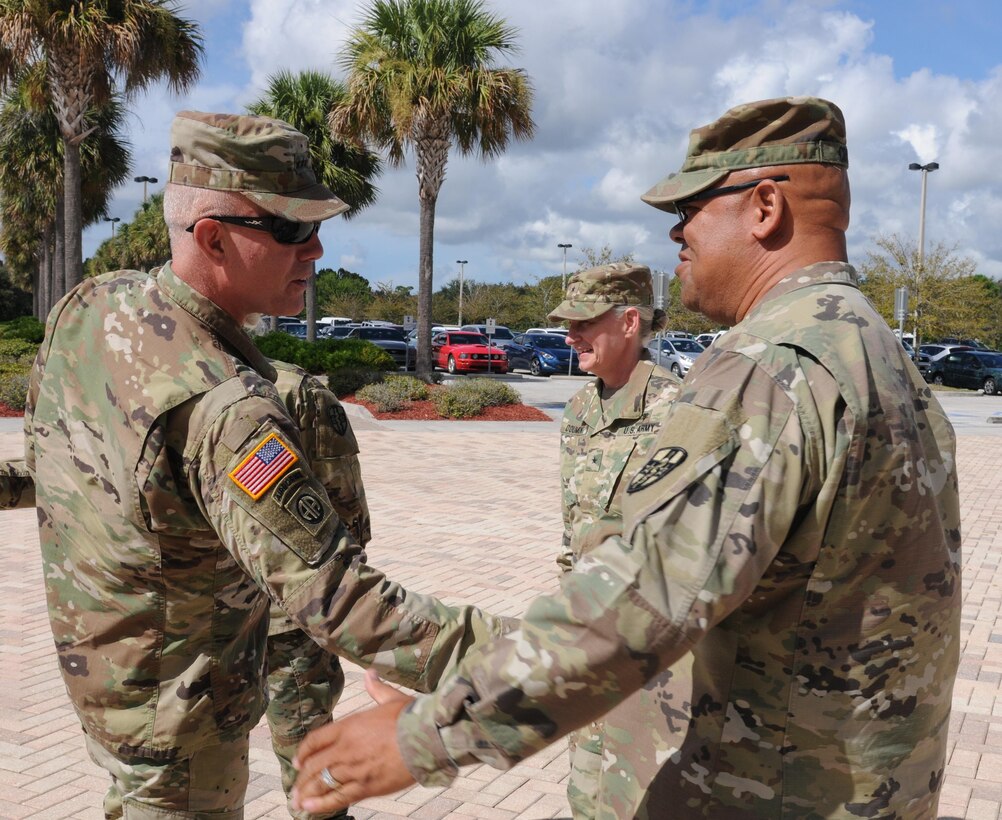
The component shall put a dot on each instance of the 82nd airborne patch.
(263, 467)
(662, 462)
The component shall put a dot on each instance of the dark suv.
(970, 368)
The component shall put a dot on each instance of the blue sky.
(618, 85)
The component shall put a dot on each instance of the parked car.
(921, 360)
(335, 331)
(678, 355)
(502, 336)
(707, 339)
(388, 338)
(542, 354)
(297, 329)
(941, 350)
(412, 334)
(460, 351)
(560, 331)
(970, 368)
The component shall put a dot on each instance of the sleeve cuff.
(421, 745)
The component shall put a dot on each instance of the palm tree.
(88, 45)
(345, 166)
(421, 75)
(31, 179)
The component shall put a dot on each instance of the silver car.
(675, 354)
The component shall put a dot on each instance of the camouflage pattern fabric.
(175, 504)
(797, 528)
(603, 442)
(264, 159)
(781, 131)
(17, 490)
(595, 291)
(305, 682)
(209, 784)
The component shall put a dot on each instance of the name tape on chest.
(263, 467)
(662, 462)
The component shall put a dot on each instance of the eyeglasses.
(682, 206)
(283, 231)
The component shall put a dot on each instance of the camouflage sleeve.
(273, 515)
(705, 517)
(17, 488)
(568, 499)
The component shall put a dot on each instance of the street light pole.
(926, 170)
(563, 279)
(462, 268)
(112, 220)
(144, 180)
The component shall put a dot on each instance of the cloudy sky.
(618, 85)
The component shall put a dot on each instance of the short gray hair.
(651, 320)
(185, 205)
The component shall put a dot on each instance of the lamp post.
(563, 279)
(112, 220)
(925, 169)
(462, 270)
(144, 180)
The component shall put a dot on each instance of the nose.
(312, 249)
(573, 334)
(675, 232)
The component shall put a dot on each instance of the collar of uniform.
(216, 319)
(628, 401)
(820, 273)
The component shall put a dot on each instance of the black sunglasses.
(283, 231)
(682, 206)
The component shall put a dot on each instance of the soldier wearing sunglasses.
(180, 496)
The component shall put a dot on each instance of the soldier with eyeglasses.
(181, 493)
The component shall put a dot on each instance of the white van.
(334, 321)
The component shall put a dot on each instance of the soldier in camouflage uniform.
(606, 432)
(796, 527)
(176, 497)
(304, 681)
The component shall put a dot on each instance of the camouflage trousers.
(209, 784)
(304, 684)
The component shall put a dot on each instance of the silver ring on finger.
(329, 780)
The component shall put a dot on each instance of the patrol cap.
(592, 292)
(782, 131)
(266, 160)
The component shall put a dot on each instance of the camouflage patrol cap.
(593, 292)
(782, 131)
(265, 160)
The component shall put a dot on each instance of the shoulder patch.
(338, 418)
(263, 467)
(661, 463)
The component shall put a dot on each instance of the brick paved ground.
(470, 514)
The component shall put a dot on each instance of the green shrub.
(492, 393)
(409, 387)
(13, 386)
(456, 403)
(17, 351)
(347, 380)
(383, 397)
(24, 327)
(325, 355)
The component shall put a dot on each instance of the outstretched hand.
(359, 751)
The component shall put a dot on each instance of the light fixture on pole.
(144, 180)
(563, 279)
(462, 269)
(112, 220)
(925, 169)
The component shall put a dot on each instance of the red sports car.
(465, 352)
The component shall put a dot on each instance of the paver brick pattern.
(471, 516)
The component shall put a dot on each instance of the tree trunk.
(426, 266)
(311, 306)
(73, 226)
(57, 281)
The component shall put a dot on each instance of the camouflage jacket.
(601, 444)
(330, 447)
(175, 502)
(797, 527)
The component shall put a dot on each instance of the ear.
(768, 209)
(209, 239)
(631, 322)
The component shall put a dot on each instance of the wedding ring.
(329, 780)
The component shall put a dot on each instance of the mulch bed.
(425, 411)
(9, 412)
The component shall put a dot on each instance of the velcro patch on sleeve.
(264, 466)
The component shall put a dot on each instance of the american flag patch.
(261, 468)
